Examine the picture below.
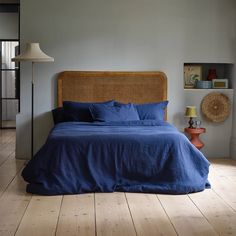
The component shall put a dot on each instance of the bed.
(147, 155)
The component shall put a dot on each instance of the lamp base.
(191, 122)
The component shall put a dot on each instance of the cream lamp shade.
(33, 53)
(191, 111)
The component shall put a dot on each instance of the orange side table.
(194, 134)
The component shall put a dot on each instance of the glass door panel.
(9, 50)
(9, 84)
(9, 111)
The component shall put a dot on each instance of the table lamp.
(32, 54)
(191, 113)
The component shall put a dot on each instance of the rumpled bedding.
(132, 156)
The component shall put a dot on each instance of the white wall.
(120, 35)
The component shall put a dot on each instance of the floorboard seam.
(23, 215)
(223, 199)
(203, 215)
(58, 218)
(20, 169)
(8, 156)
(95, 214)
(130, 214)
(167, 215)
(221, 196)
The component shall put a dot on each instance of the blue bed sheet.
(138, 156)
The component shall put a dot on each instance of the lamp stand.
(33, 54)
(32, 112)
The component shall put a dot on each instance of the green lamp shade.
(191, 111)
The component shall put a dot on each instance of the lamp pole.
(32, 111)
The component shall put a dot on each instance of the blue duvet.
(139, 156)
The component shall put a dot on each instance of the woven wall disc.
(216, 107)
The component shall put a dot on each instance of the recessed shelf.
(223, 71)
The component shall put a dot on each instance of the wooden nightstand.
(194, 134)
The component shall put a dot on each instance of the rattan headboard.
(98, 86)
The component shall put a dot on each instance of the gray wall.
(9, 25)
(121, 35)
(218, 135)
(233, 140)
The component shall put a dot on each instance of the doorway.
(9, 71)
(9, 84)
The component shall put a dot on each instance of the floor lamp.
(32, 54)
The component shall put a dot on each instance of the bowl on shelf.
(203, 84)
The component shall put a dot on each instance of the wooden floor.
(212, 212)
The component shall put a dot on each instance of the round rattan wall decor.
(216, 107)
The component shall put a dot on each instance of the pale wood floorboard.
(7, 145)
(9, 166)
(224, 186)
(13, 198)
(77, 215)
(13, 204)
(148, 215)
(211, 212)
(112, 215)
(8, 171)
(41, 216)
(216, 211)
(184, 215)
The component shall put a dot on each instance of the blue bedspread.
(140, 156)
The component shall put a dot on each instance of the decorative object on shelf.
(220, 83)
(194, 134)
(192, 74)
(191, 113)
(32, 54)
(216, 107)
(211, 74)
(198, 124)
(203, 84)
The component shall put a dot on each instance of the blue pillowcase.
(111, 111)
(79, 111)
(122, 112)
(58, 115)
(152, 111)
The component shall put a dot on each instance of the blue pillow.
(79, 111)
(104, 112)
(152, 111)
(58, 115)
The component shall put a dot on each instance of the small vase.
(211, 74)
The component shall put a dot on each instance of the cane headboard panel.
(98, 86)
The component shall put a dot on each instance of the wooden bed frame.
(99, 86)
